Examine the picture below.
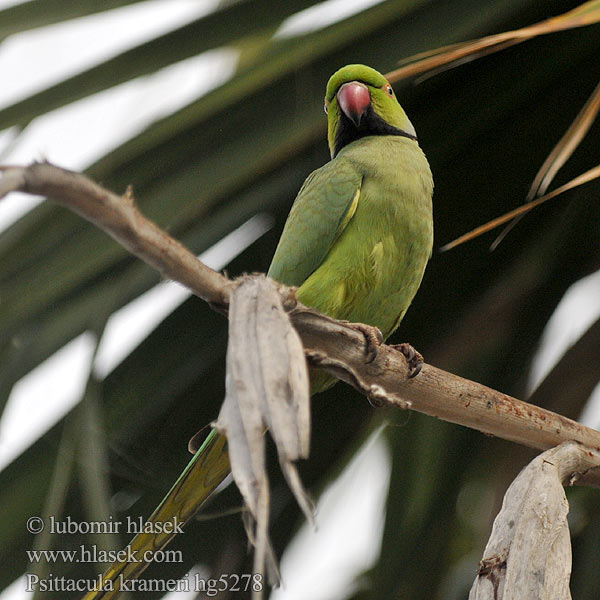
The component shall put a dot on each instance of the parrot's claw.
(373, 338)
(413, 358)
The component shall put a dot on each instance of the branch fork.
(268, 388)
(328, 344)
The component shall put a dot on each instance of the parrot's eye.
(325, 108)
(389, 90)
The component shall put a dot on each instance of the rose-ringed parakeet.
(355, 244)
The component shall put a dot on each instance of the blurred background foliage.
(245, 148)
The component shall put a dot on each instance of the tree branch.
(329, 344)
(119, 217)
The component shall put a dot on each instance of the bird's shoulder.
(322, 209)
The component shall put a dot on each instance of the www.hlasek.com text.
(93, 554)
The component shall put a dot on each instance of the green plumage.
(356, 244)
(360, 233)
(369, 268)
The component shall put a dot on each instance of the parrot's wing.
(324, 206)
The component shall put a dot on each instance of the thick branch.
(119, 217)
(329, 344)
(340, 350)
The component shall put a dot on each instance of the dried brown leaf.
(559, 155)
(266, 388)
(590, 175)
(455, 54)
(434, 61)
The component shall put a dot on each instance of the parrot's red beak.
(354, 99)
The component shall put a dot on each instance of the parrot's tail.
(207, 469)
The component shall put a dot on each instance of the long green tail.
(207, 469)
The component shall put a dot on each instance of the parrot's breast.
(375, 267)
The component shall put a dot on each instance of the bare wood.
(120, 218)
(528, 554)
(329, 344)
(340, 350)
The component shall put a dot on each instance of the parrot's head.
(359, 102)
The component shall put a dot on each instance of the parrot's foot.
(373, 338)
(413, 358)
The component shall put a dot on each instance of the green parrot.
(355, 244)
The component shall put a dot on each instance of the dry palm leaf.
(450, 56)
(577, 181)
(434, 61)
(559, 155)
